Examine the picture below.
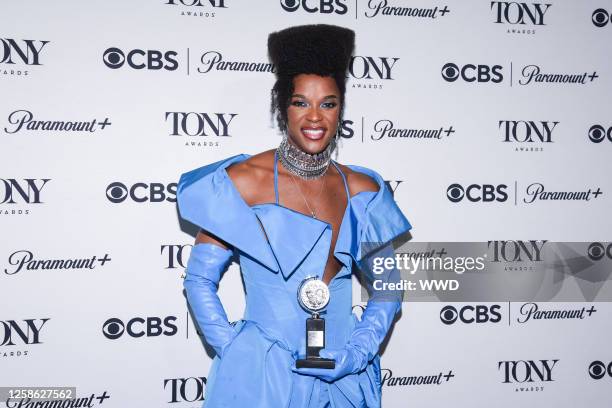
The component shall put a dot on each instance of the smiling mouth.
(314, 133)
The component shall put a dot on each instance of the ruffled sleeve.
(208, 198)
(380, 218)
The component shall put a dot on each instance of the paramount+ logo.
(315, 6)
(137, 327)
(475, 193)
(598, 134)
(471, 314)
(473, 73)
(155, 60)
(118, 192)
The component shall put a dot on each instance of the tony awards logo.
(313, 296)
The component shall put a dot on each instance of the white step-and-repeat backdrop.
(473, 111)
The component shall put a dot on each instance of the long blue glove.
(370, 332)
(206, 264)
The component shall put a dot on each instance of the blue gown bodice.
(278, 248)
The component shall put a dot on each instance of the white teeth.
(313, 131)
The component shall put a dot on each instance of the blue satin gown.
(255, 370)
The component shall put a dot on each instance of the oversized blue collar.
(208, 198)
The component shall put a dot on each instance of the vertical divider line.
(515, 192)
(362, 125)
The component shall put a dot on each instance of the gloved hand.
(347, 361)
(369, 333)
(204, 268)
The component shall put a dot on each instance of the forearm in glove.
(206, 264)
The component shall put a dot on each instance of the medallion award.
(313, 296)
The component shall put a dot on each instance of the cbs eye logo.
(315, 6)
(600, 17)
(471, 314)
(114, 328)
(118, 192)
(597, 251)
(597, 370)
(114, 58)
(598, 133)
(477, 192)
(448, 315)
(290, 5)
(472, 73)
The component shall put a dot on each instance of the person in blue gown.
(288, 215)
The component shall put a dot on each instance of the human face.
(312, 115)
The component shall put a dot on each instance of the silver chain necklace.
(312, 212)
(305, 165)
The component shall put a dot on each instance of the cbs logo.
(347, 130)
(154, 192)
(477, 192)
(471, 314)
(598, 133)
(597, 370)
(601, 17)
(315, 6)
(114, 328)
(597, 251)
(114, 58)
(471, 73)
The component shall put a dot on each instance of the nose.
(314, 115)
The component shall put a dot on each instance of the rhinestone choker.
(302, 164)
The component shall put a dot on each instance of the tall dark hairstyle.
(320, 49)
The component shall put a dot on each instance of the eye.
(329, 105)
(299, 103)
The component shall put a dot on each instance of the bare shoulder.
(359, 182)
(248, 175)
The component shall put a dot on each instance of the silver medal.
(313, 294)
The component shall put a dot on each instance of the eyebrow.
(302, 96)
